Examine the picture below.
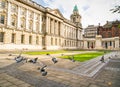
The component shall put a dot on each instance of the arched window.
(22, 24)
(14, 8)
(30, 25)
(13, 20)
(2, 4)
(2, 19)
(23, 11)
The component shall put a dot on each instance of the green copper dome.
(75, 8)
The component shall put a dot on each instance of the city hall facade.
(25, 24)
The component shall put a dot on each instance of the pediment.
(56, 12)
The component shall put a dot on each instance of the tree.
(116, 9)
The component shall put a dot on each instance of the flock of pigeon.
(42, 70)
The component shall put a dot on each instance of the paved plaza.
(65, 73)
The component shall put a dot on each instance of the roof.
(75, 8)
(108, 24)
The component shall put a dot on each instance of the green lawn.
(85, 56)
(45, 52)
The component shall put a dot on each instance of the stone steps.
(91, 67)
(88, 68)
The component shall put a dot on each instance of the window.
(110, 43)
(23, 11)
(51, 41)
(13, 20)
(59, 41)
(109, 34)
(22, 23)
(30, 25)
(30, 39)
(14, 8)
(22, 39)
(65, 42)
(13, 38)
(2, 19)
(36, 26)
(55, 41)
(2, 3)
(37, 17)
(30, 14)
(37, 40)
(1, 36)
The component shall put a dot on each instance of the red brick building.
(110, 29)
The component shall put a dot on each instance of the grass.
(48, 52)
(44, 52)
(77, 57)
(85, 56)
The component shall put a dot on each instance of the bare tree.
(116, 9)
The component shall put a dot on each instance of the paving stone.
(24, 85)
(3, 81)
(25, 75)
(100, 80)
(18, 82)
(13, 86)
(7, 84)
(92, 85)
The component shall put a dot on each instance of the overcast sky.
(92, 11)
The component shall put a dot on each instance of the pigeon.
(102, 59)
(47, 54)
(19, 59)
(72, 58)
(10, 55)
(54, 60)
(33, 60)
(42, 70)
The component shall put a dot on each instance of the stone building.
(90, 31)
(25, 24)
(110, 29)
(108, 37)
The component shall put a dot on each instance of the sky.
(93, 12)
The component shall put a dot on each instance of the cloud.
(86, 7)
(92, 11)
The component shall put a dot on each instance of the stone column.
(27, 19)
(116, 43)
(9, 14)
(85, 44)
(40, 22)
(57, 28)
(34, 24)
(52, 26)
(47, 24)
(112, 45)
(18, 18)
(61, 29)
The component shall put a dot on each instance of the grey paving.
(65, 73)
